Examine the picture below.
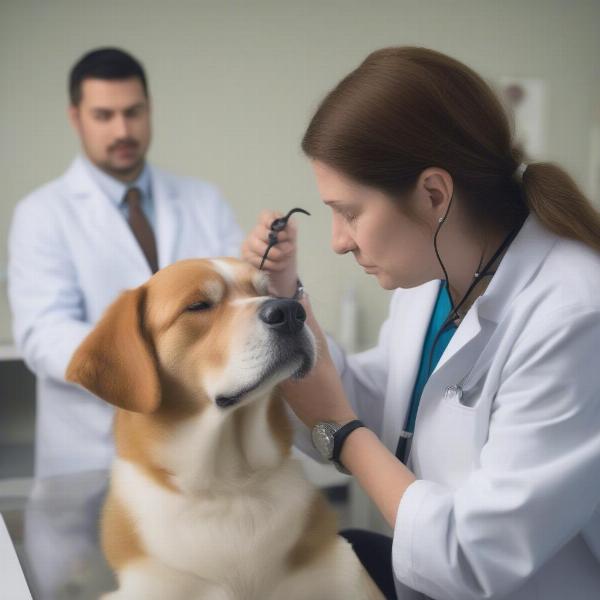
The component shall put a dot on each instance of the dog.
(205, 500)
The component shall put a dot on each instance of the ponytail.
(556, 200)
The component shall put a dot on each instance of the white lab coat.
(507, 438)
(71, 252)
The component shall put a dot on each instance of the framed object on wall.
(525, 99)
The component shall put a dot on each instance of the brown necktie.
(141, 227)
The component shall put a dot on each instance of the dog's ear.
(115, 361)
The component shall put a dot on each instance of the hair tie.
(520, 170)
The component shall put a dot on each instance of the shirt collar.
(115, 189)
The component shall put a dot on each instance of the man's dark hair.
(104, 63)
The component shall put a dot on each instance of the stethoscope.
(480, 274)
(406, 434)
(276, 226)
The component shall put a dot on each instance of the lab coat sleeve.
(364, 377)
(535, 486)
(46, 302)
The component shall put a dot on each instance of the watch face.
(322, 437)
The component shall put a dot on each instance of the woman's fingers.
(266, 219)
(281, 257)
(280, 251)
(269, 265)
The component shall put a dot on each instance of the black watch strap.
(339, 437)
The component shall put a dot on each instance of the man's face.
(113, 123)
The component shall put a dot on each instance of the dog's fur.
(205, 501)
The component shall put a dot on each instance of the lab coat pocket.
(449, 440)
(473, 398)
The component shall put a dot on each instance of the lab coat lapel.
(111, 224)
(466, 356)
(462, 353)
(534, 243)
(410, 328)
(167, 218)
(464, 342)
(520, 264)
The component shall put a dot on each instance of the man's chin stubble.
(124, 171)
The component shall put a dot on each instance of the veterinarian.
(479, 408)
(106, 224)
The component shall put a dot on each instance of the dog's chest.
(242, 536)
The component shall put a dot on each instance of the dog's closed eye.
(199, 306)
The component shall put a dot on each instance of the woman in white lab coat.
(481, 401)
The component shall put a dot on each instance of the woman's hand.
(320, 395)
(281, 263)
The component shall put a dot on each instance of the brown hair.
(406, 109)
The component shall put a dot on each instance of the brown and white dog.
(205, 501)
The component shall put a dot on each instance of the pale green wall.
(234, 84)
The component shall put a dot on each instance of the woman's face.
(384, 241)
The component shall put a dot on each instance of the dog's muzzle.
(288, 344)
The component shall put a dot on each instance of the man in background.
(104, 226)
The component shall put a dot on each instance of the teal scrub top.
(441, 310)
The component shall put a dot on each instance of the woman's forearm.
(318, 397)
(383, 477)
(321, 397)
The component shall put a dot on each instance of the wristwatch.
(328, 438)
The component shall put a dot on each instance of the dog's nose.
(283, 315)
